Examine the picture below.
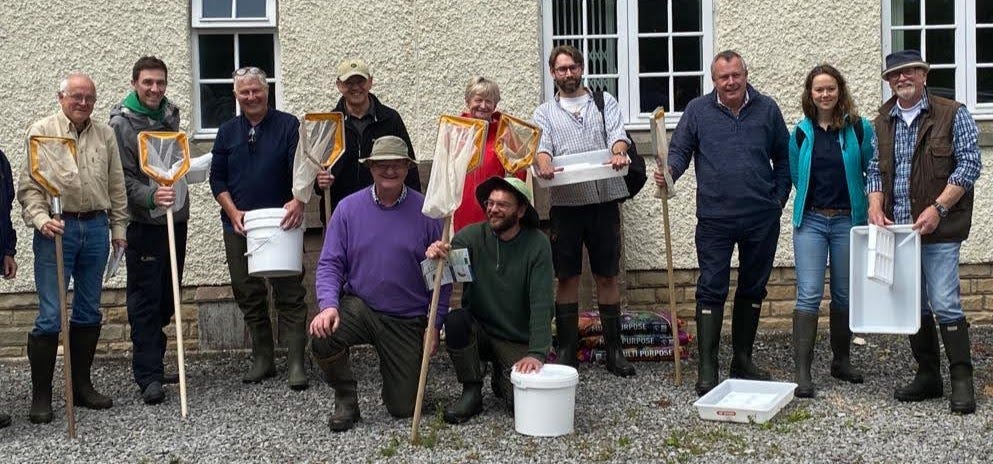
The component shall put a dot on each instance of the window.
(227, 35)
(955, 37)
(647, 53)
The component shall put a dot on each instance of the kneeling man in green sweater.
(507, 308)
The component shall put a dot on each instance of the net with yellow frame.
(52, 161)
(660, 142)
(165, 158)
(458, 150)
(516, 143)
(322, 142)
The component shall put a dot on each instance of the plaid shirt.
(965, 137)
(565, 134)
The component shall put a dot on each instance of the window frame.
(198, 21)
(628, 77)
(966, 65)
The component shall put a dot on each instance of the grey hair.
(64, 83)
(250, 73)
(728, 55)
(479, 85)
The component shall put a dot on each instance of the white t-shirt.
(909, 114)
(574, 105)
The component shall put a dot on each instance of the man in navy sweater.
(738, 142)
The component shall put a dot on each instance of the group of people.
(916, 163)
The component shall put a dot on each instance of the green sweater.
(511, 294)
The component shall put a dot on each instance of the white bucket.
(545, 401)
(272, 251)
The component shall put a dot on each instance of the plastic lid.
(550, 376)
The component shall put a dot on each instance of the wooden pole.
(429, 337)
(178, 306)
(327, 208)
(673, 313)
(64, 312)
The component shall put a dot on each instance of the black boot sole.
(338, 427)
(928, 394)
(40, 419)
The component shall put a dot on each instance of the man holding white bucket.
(924, 173)
(252, 169)
(506, 315)
(370, 288)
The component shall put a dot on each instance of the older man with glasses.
(93, 209)
(370, 289)
(252, 169)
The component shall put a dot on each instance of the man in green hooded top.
(149, 279)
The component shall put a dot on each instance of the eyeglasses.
(353, 84)
(563, 70)
(249, 70)
(500, 205)
(384, 166)
(905, 72)
(80, 98)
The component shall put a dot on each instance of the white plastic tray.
(877, 307)
(737, 400)
(880, 260)
(580, 167)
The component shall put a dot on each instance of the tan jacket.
(101, 186)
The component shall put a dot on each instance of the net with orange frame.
(322, 142)
(165, 158)
(53, 164)
(516, 143)
(459, 149)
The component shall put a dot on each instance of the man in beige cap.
(369, 285)
(366, 119)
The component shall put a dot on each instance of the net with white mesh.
(516, 143)
(660, 142)
(322, 142)
(459, 150)
(165, 158)
(53, 164)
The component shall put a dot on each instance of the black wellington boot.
(927, 380)
(744, 325)
(567, 333)
(338, 372)
(83, 344)
(708, 335)
(263, 366)
(841, 346)
(296, 347)
(42, 350)
(470, 372)
(610, 318)
(804, 337)
(959, 352)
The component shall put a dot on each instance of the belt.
(84, 216)
(831, 212)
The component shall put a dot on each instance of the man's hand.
(619, 160)
(876, 217)
(325, 322)
(294, 215)
(164, 197)
(435, 338)
(52, 227)
(528, 365)
(119, 244)
(928, 221)
(324, 179)
(9, 267)
(545, 168)
(437, 250)
(237, 221)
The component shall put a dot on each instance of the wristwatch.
(942, 211)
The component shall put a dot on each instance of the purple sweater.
(374, 253)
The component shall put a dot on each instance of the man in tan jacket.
(94, 203)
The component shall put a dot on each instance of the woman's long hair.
(844, 113)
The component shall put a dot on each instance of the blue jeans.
(818, 239)
(85, 248)
(940, 282)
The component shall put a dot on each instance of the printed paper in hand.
(114, 263)
(458, 265)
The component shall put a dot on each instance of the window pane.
(941, 82)
(216, 56)
(654, 93)
(216, 8)
(686, 53)
(601, 56)
(653, 54)
(216, 104)
(652, 16)
(905, 13)
(272, 94)
(904, 40)
(940, 46)
(686, 89)
(606, 84)
(984, 12)
(984, 85)
(984, 45)
(256, 50)
(251, 9)
(687, 16)
(578, 43)
(940, 11)
(567, 17)
(601, 17)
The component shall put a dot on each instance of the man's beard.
(501, 225)
(906, 92)
(569, 84)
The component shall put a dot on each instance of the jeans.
(756, 235)
(940, 282)
(816, 240)
(85, 248)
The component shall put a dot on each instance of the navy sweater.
(741, 163)
(257, 174)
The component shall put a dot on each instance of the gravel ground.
(643, 419)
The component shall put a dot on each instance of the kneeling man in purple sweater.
(370, 289)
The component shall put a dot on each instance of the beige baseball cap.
(353, 67)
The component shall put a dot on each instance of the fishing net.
(459, 149)
(322, 142)
(53, 164)
(516, 143)
(165, 158)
